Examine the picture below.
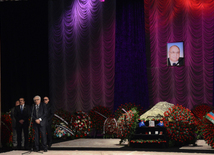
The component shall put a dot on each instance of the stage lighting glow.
(102, 0)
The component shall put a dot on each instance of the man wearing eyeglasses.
(22, 114)
(50, 113)
(174, 57)
(39, 122)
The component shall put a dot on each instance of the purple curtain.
(130, 56)
(82, 53)
(189, 21)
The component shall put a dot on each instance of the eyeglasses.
(174, 52)
(36, 99)
(45, 99)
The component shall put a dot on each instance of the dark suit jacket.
(41, 114)
(25, 114)
(51, 110)
(13, 117)
(180, 62)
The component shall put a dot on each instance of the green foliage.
(127, 107)
(127, 124)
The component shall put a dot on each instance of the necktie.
(21, 108)
(37, 111)
(174, 64)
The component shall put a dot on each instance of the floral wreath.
(207, 129)
(127, 124)
(61, 116)
(110, 127)
(123, 108)
(81, 123)
(200, 111)
(180, 125)
(63, 130)
(98, 116)
(6, 129)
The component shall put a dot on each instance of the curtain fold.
(82, 53)
(189, 21)
(131, 83)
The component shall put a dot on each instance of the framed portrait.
(175, 54)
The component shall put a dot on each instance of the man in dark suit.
(174, 57)
(50, 113)
(22, 114)
(39, 122)
(14, 124)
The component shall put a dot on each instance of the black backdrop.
(24, 51)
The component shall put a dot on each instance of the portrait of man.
(175, 54)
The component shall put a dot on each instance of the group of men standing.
(41, 114)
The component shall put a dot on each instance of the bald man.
(50, 114)
(174, 57)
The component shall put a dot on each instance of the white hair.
(38, 97)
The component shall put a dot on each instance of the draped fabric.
(130, 55)
(190, 21)
(82, 53)
(24, 51)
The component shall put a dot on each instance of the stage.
(112, 147)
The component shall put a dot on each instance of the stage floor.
(113, 144)
(76, 152)
(112, 147)
(91, 143)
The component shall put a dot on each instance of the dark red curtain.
(82, 53)
(190, 21)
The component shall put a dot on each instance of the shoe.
(14, 148)
(45, 150)
(36, 150)
(19, 148)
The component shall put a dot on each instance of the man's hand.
(21, 121)
(37, 121)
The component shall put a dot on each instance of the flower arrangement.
(180, 125)
(81, 123)
(6, 130)
(98, 115)
(62, 130)
(110, 127)
(61, 125)
(65, 116)
(123, 108)
(200, 111)
(207, 129)
(31, 137)
(127, 124)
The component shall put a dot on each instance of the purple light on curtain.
(82, 52)
(191, 22)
